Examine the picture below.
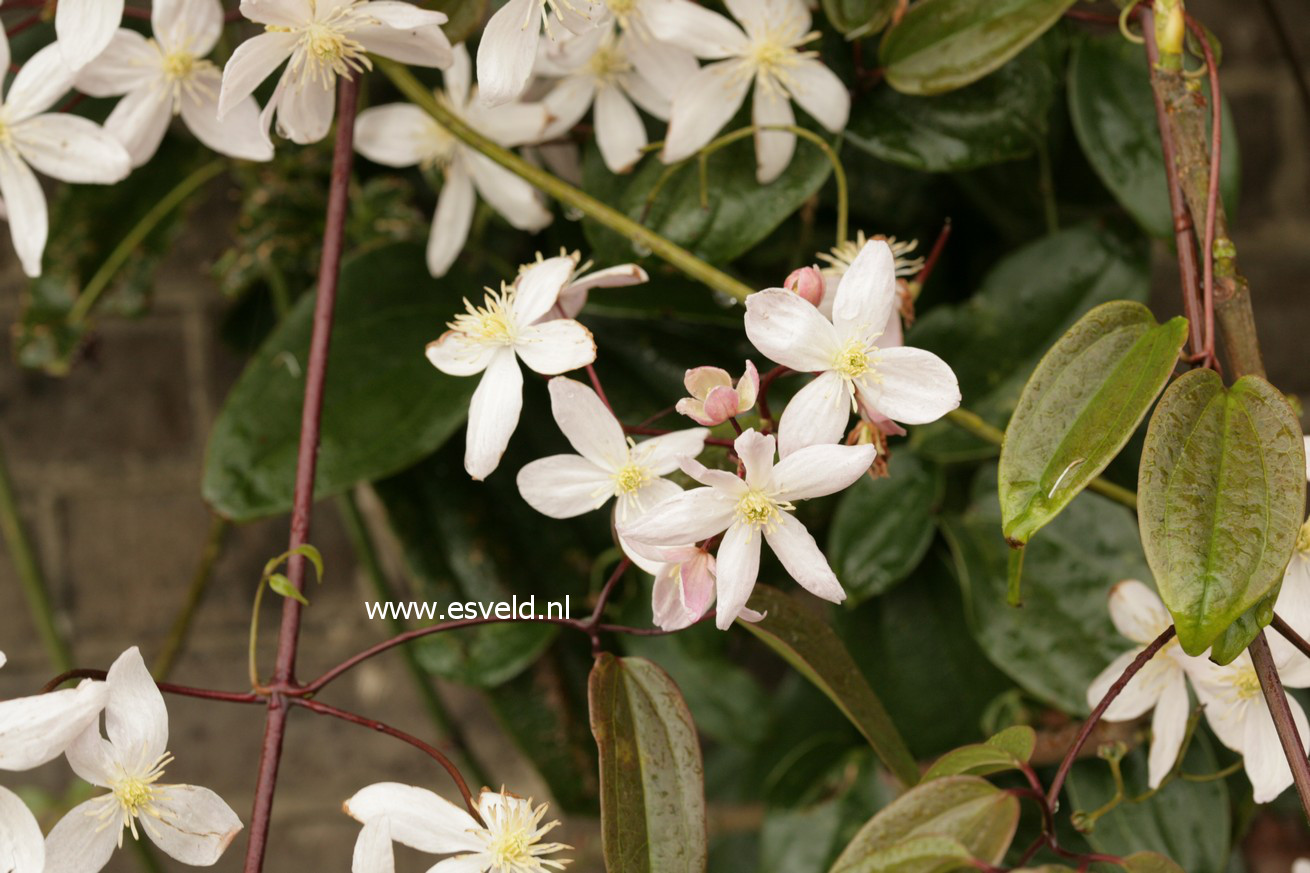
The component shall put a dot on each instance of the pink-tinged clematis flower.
(807, 283)
(714, 399)
(508, 48)
(492, 338)
(188, 823)
(760, 507)
(855, 369)
(608, 465)
(684, 588)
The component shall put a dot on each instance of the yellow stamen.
(493, 322)
(760, 509)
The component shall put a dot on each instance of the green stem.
(218, 528)
(974, 424)
(29, 573)
(366, 552)
(557, 188)
(136, 236)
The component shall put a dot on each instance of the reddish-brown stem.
(1184, 239)
(1212, 197)
(166, 687)
(30, 21)
(592, 625)
(1053, 795)
(600, 391)
(311, 414)
(930, 262)
(1285, 630)
(1276, 697)
(766, 382)
(384, 728)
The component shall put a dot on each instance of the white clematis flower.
(759, 506)
(83, 29)
(1138, 614)
(611, 72)
(766, 49)
(856, 371)
(608, 465)
(403, 135)
(684, 589)
(492, 338)
(65, 147)
(190, 824)
(511, 842)
(168, 76)
(508, 48)
(574, 296)
(321, 40)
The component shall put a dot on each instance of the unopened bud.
(807, 282)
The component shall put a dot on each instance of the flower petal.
(85, 27)
(700, 381)
(704, 33)
(662, 65)
(128, 63)
(620, 132)
(688, 517)
(80, 842)
(72, 149)
(1168, 727)
(913, 386)
(802, 558)
(516, 200)
(703, 105)
(773, 148)
(866, 294)
(1262, 751)
(139, 122)
(508, 50)
(396, 135)
(92, 757)
(21, 845)
(737, 567)
(726, 482)
(419, 818)
(305, 112)
(567, 102)
(190, 25)
(588, 424)
(252, 62)
(373, 851)
(816, 415)
(196, 827)
(821, 93)
(239, 135)
(565, 486)
(817, 471)
(791, 331)
(663, 454)
(38, 729)
(756, 451)
(136, 719)
(574, 296)
(493, 414)
(457, 354)
(554, 347)
(1137, 611)
(279, 13)
(41, 81)
(407, 34)
(538, 287)
(450, 225)
(29, 223)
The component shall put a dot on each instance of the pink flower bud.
(806, 282)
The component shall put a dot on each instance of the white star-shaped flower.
(189, 823)
(744, 511)
(168, 76)
(608, 465)
(403, 135)
(63, 146)
(508, 48)
(492, 338)
(321, 40)
(856, 370)
(511, 842)
(765, 49)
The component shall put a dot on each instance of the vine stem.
(1287, 633)
(1293, 747)
(316, 376)
(1053, 794)
(166, 687)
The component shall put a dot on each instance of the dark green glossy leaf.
(385, 405)
(652, 805)
(1005, 751)
(739, 213)
(883, 527)
(1002, 117)
(1026, 303)
(1187, 821)
(1080, 407)
(964, 809)
(1062, 637)
(941, 45)
(1113, 112)
(1222, 493)
(811, 647)
(859, 18)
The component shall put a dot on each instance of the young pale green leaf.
(1000, 118)
(1113, 113)
(385, 405)
(941, 45)
(1079, 408)
(1004, 751)
(811, 646)
(1221, 491)
(280, 584)
(859, 18)
(312, 555)
(883, 527)
(964, 809)
(652, 794)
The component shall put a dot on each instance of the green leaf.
(1222, 493)
(652, 796)
(941, 45)
(282, 585)
(1002, 117)
(1007, 750)
(918, 854)
(963, 809)
(1062, 637)
(740, 211)
(312, 555)
(1150, 862)
(811, 647)
(1187, 821)
(1229, 644)
(1080, 407)
(859, 18)
(1026, 303)
(1113, 112)
(385, 405)
(883, 527)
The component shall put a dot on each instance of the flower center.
(492, 322)
(854, 360)
(630, 478)
(607, 64)
(622, 10)
(1246, 684)
(181, 70)
(773, 53)
(842, 256)
(761, 510)
(513, 836)
(133, 796)
(325, 48)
